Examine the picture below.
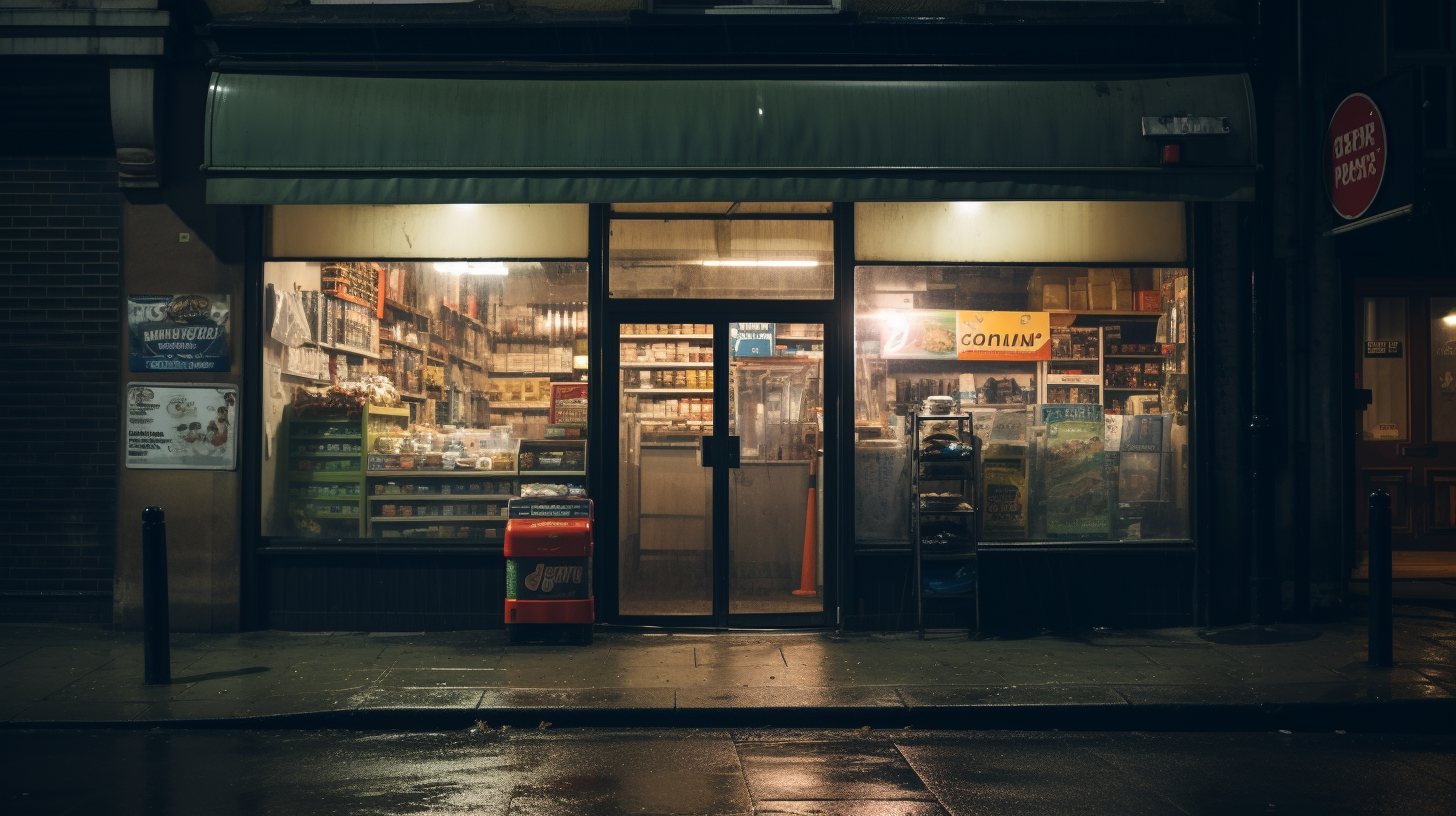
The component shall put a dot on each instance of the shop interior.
(775, 410)
(411, 400)
(1090, 443)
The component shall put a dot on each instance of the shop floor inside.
(1292, 676)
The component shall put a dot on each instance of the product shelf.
(667, 392)
(639, 364)
(632, 338)
(417, 519)
(448, 474)
(457, 497)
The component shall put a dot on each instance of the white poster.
(181, 426)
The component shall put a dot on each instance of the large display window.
(1075, 377)
(411, 399)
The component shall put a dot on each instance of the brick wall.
(60, 328)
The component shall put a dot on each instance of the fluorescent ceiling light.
(495, 268)
(758, 263)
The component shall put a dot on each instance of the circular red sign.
(1355, 156)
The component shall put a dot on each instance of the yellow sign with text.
(1003, 335)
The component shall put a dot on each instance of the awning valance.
(280, 139)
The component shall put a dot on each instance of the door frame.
(1418, 292)
(719, 313)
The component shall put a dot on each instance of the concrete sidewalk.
(1170, 679)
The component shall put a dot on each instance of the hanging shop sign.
(1372, 153)
(1357, 151)
(923, 334)
(178, 332)
(181, 426)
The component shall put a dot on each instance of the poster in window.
(181, 426)
(918, 334)
(1075, 483)
(1005, 498)
(178, 332)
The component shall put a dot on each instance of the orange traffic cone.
(807, 573)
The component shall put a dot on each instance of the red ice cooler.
(548, 579)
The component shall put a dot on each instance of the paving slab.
(343, 679)
(830, 770)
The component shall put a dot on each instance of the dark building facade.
(1051, 160)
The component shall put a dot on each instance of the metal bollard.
(1381, 614)
(156, 650)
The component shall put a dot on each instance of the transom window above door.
(721, 251)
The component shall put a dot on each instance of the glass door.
(776, 422)
(721, 433)
(665, 384)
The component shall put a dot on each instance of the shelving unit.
(536, 460)
(940, 533)
(334, 494)
(1074, 372)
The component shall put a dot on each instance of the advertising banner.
(178, 332)
(181, 426)
(943, 334)
(1006, 336)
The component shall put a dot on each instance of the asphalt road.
(563, 772)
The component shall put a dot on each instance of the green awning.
(277, 139)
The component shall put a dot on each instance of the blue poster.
(178, 332)
(752, 339)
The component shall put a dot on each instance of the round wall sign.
(1355, 155)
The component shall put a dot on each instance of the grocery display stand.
(324, 471)
(945, 512)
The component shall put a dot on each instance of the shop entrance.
(720, 482)
(1406, 359)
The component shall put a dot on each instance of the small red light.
(1172, 153)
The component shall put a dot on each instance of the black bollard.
(156, 650)
(1381, 616)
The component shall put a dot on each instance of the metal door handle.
(706, 457)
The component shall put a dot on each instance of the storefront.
(474, 289)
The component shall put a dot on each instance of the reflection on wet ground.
(488, 770)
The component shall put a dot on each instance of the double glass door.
(721, 429)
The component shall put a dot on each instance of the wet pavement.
(1169, 679)
(685, 771)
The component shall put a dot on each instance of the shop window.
(1443, 370)
(1076, 379)
(761, 257)
(1383, 369)
(411, 400)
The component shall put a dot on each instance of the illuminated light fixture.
(1450, 318)
(493, 268)
(759, 263)
(580, 362)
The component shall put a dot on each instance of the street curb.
(1386, 716)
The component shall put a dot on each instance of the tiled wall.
(60, 325)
